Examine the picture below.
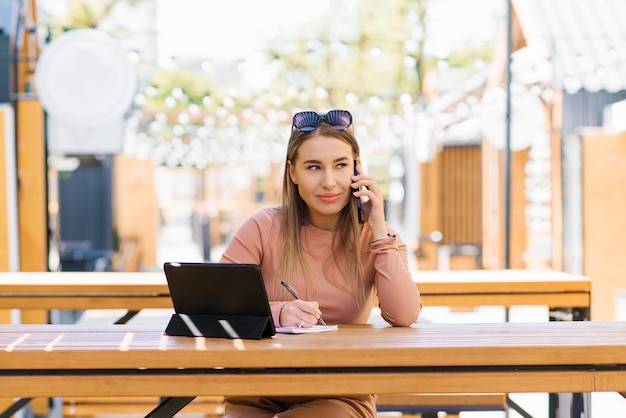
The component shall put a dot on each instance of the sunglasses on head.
(307, 121)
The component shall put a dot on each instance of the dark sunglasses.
(307, 121)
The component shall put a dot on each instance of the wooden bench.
(213, 406)
(84, 407)
(568, 296)
(457, 289)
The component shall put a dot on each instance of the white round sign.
(84, 78)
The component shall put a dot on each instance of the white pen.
(295, 295)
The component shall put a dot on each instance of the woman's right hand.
(300, 313)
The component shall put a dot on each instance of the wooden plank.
(135, 206)
(8, 206)
(126, 409)
(429, 282)
(460, 197)
(604, 224)
(84, 290)
(487, 281)
(430, 208)
(442, 399)
(558, 343)
(209, 406)
(317, 384)
(34, 316)
(100, 406)
(214, 405)
(32, 205)
(518, 240)
(5, 316)
(569, 300)
(6, 193)
(492, 206)
(84, 283)
(136, 291)
(572, 300)
(87, 302)
(138, 399)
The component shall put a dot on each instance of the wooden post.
(32, 206)
(135, 211)
(9, 260)
(604, 223)
(31, 164)
(9, 257)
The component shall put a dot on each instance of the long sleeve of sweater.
(259, 241)
(398, 297)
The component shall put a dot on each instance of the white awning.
(584, 40)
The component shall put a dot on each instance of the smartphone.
(358, 199)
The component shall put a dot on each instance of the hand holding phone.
(358, 199)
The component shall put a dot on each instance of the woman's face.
(323, 171)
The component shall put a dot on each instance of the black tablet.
(218, 300)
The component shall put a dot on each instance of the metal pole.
(507, 146)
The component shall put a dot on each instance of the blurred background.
(144, 131)
(134, 132)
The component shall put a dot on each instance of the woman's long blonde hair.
(346, 242)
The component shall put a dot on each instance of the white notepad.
(314, 328)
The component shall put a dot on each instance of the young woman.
(317, 244)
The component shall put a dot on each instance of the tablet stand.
(220, 326)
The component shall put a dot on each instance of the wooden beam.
(32, 205)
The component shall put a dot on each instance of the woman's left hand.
(373, 206)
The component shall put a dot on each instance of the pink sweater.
(258, 241)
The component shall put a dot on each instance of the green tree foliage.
(368, 56)
(83, 14)
(366, 51)
(189, 86)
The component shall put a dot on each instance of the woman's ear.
(292, 172)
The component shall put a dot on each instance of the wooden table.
(566, 295)
(125, 360)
